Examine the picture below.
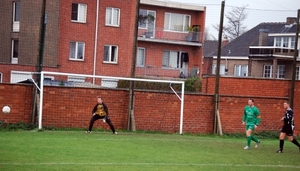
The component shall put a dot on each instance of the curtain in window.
(173, 59)
(140, 61)
(82, 12)
(108, 16)
(115, 17)
(72, 50)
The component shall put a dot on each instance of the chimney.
(291, 20)
(225, 41)
(263, 37)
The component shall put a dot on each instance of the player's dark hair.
(251, 100)
(287, 102)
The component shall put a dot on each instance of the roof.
(239, 47)
(209, 47)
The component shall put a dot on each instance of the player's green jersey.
(251, 115)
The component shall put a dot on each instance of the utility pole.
(217, 96)
(131, 120)
(295, 62)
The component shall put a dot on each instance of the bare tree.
(234, 27)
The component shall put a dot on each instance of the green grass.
(75, 150)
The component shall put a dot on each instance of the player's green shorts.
(250, 127)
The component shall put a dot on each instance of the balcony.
(271, 52)
(159, 35)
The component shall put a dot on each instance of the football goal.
(66, 101)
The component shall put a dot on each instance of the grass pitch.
(75, 150)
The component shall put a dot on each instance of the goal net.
(67, 100)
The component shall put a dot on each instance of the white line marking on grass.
(159, 164)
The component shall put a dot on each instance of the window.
(143, 23)
(268, 71)
(76, 50)
(14, 51)
(140, 60)
(176, 22)
(16, 16)
(222, 69)
(18, 76)
(76, 79)
(280, 71)
(0, 77)
(78, 12)
(298, 73)
(170, 59)
(277, 41)
(292, 42)
(112, 16)
(110, 53)
(241, 70)
(285, 42)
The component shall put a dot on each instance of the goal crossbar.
(43, 73)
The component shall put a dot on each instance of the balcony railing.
(269, 52)
(167, 36)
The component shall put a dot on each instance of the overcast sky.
(257, 11)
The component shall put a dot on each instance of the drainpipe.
(96, 41)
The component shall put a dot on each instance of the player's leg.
(248, 135)
(290, 134)
(281, 141)
(255, 140)
(93, 119)
(108, 121)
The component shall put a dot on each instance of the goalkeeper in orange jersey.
(100, 111)
(251, 119)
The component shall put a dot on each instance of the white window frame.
(238, 69)
(170, 59)
(140, 57)
(17, 76)
(168, 22)
(222, 69)
(270, 73)
(16, 14)
(280, 72)
(75, 51)
(110, 19)
(110, 58)
(278, 41)
(14, 59)
(292, 42)
(81, 13)
(146, 12)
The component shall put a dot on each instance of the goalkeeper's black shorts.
(288, 129)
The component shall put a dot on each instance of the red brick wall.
(71, 107)
(19, 98)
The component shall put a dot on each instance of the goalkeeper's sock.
(248, 141)
(281, 143)
(296, 142)
(254, 139)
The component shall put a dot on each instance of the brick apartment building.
(96, 37)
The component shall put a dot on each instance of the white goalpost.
(82, 80)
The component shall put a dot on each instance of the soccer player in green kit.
(252, 119)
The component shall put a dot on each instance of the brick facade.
(157, 111)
